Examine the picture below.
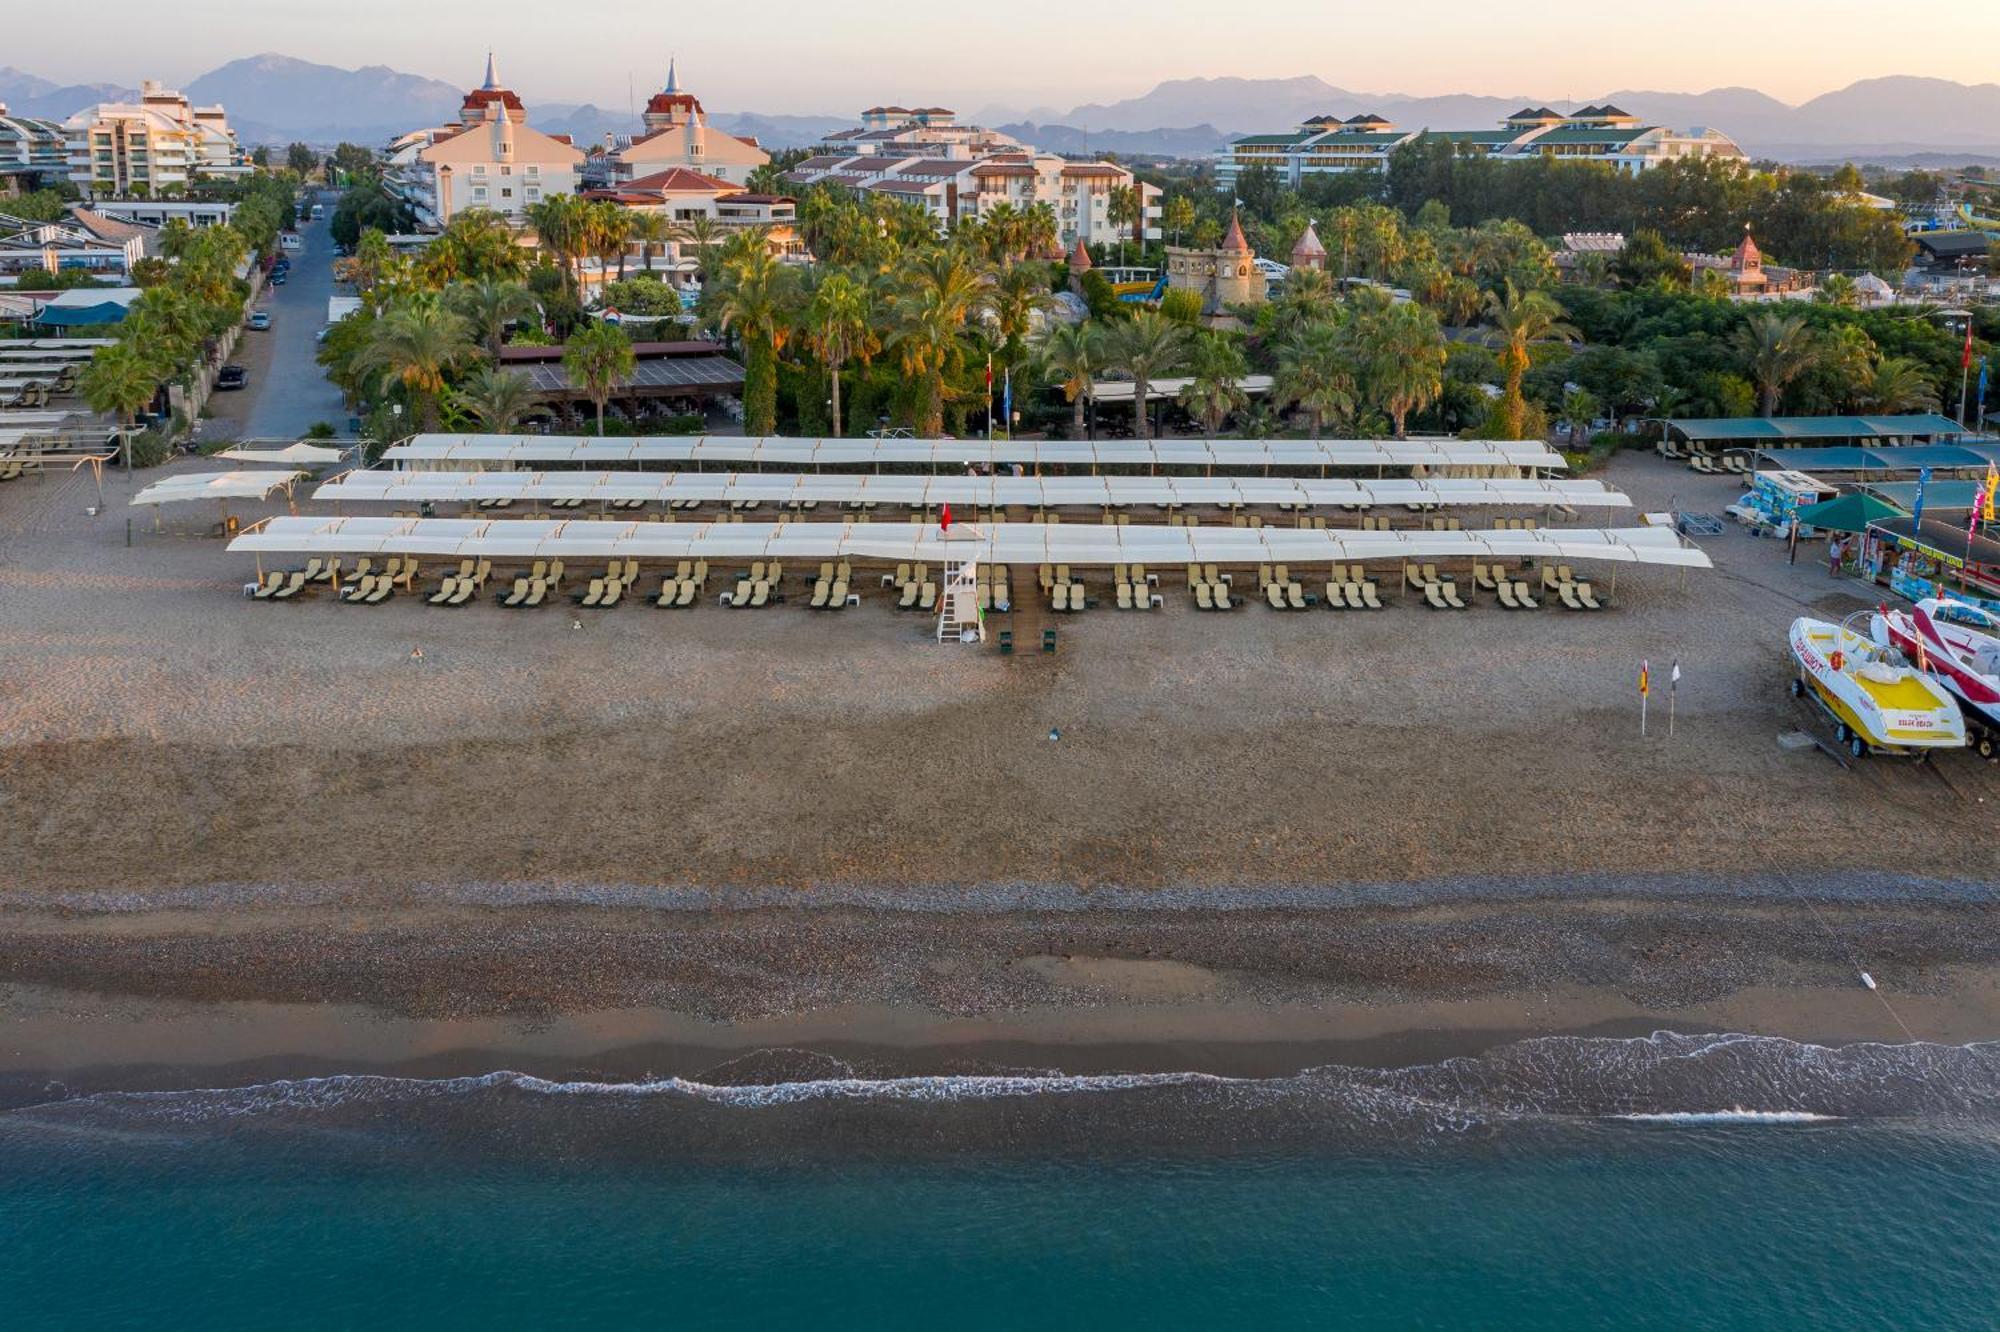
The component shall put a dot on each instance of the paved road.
(288, 391)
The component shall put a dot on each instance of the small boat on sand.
(1878, 703)
(1960, 645)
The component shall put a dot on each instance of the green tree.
(840, 327)
(1068, 356)
(752, 298)
(120, 380)
(416, 344)
(1216, 369)
(1579, 409)
(1895, 385)
(1122, 210)
(301, 159)
(1019, 296)
(1521, 319)
(1179, 215)
(939, 294)
(1403, 354)
(489, 305)
(498, 399)
(1774, 350)
(1147, 346)
(1315, 374)
(597, 359)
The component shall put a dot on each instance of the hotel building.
(156, 147)
(957, 172)
(490, 158)
(677, 134)
(1326, 145)
(32, 151)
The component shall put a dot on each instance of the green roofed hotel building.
(1605, 134)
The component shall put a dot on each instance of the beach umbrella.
(1849, 513)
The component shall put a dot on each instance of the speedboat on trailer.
(1960, 645)
(1877, 702)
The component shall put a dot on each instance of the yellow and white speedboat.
(1878, 703)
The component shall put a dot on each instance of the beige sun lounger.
(1434, 597)
(1521, 596)
(927, 600)
(908, 598)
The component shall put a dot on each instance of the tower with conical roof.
(670, 108)
(491, 99)
(1309, 253)
(1225, 277)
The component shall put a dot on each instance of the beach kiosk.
(1775, 498)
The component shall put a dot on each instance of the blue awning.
(81, 316)
(1908, 458)
(1770, 430)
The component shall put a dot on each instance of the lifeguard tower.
(959, 616)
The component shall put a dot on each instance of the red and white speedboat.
(1960, 645)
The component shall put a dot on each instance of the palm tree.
(1896, 385)
(476, 244)
(417, 344)
(489, 305)
(1403, 349)
(1122, 211)
(1146, 346)
(1179, 215)
(702, 233)
(1001, 225)
(561, 225)
(941, 292)
(752, 298)
(1068, 355)
(1041, 234)
(1775, 349)
(840, 326)
(496, 398)
(610, 229)
(1215, 388)
(650, 229)
(1306, 297)
(1019, 295)
(121, 379)
(1315, 375)
(597, 358)
(1839, 290)
(1579, 409)
(1521, 319)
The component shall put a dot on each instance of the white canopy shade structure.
(301, 454)
(1079, 544)
(1121, 390)
(727, 452)
(215, 486)
(964, 492)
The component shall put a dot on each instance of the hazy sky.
(837, 56)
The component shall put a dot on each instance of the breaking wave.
(1666, 1079)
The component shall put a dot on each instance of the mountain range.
(276, 98)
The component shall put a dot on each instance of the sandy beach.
(217, 802)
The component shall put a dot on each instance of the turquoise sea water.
(501, 1202)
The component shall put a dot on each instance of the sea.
(1674, 1182)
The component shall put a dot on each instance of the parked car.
(260, 320)
(278, 276)
(232, 377)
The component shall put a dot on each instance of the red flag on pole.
(944, 518)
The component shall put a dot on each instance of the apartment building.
(156, 147)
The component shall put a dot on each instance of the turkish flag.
(944, 519)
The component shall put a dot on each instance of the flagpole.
(1673, 695)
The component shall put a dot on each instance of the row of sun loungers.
(914, 588)
(684, 587)
(1348, 587)
(830, 588)
(1211, 589)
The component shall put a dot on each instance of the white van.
(318, 212)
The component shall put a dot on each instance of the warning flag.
(944, 518)
(1645, 680)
